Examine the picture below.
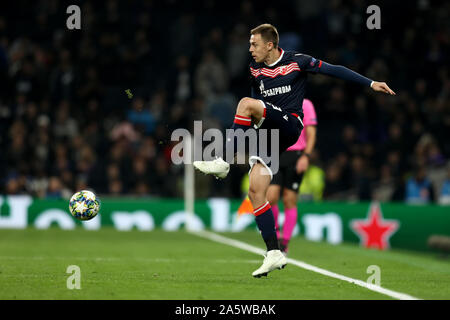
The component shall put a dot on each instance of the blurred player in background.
(286, 182)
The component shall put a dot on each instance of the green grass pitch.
(179, 265)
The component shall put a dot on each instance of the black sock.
(266, 224)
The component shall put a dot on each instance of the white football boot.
(217, 167)
(274, 259)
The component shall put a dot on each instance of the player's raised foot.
(217, 167)
(274, 259)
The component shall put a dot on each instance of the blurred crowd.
(66, 122)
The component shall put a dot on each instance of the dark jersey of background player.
(283, 83)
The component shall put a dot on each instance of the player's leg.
(248, 110)
(273, 196)
(291, 185)
(290, 216)
(259, 181)
(274, 191)
(258, 185)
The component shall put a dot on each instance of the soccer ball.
(84, 205)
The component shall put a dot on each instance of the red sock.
(240, 122)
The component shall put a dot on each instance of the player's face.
(258, 48)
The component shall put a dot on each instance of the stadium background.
(67, 124)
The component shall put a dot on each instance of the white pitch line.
(247, 247)
(129, 258)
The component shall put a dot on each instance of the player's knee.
(289, 204)
(289, 200)
(272, 197)
(245, 106)
(272, 200)
(254, 193)
(245, 102)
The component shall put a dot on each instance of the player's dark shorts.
(287, 176)
(275, 121)
(289, 126)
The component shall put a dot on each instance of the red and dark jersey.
(283, 83)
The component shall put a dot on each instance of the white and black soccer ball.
(84, 205)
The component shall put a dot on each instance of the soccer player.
(293, 163)
(278, 87)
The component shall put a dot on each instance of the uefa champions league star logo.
(374, 231)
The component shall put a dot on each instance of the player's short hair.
(268, 33)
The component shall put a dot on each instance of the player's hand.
(382, 87)
(302, 164)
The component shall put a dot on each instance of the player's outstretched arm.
(344, 73)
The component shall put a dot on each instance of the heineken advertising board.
(372, 225)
